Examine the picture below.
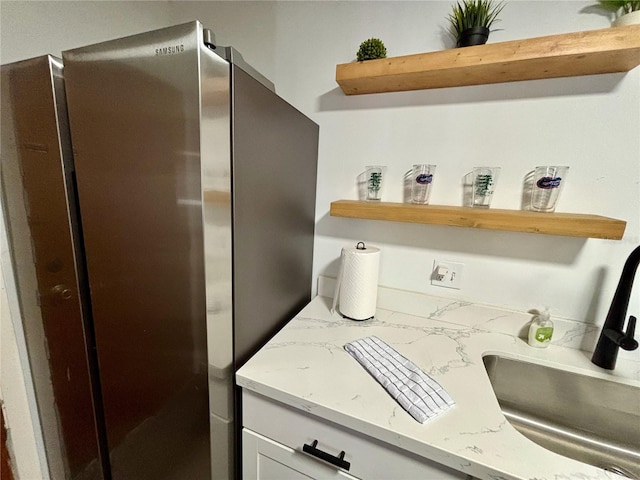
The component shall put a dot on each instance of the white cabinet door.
(264, 459)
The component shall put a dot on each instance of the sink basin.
(589, 419)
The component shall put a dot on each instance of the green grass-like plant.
(371, 49)
(619, 7)
(473, 13)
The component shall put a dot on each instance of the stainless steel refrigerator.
(196, 192)
(40, 215)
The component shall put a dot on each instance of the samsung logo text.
(171, 50)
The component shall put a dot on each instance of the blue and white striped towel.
(414, 390)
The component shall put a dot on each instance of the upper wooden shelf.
(610, 50)
(567, 224)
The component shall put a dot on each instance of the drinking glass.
(484, 182)
(421, 180)
(547, 185)
(374, 176)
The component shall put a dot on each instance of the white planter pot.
(631, 18)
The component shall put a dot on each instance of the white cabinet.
(264, 459)
(274, 436)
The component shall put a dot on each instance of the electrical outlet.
(447, 274)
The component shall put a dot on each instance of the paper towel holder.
(360, 247)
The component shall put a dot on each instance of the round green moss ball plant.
(371, 49)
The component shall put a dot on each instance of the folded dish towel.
(414, 390)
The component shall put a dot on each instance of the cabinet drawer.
(368, 457)
(264, 459)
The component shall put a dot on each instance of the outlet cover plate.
(447, 274)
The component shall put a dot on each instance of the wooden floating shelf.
(610, 50)
(566, 224)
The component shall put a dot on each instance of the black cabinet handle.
(338, 461)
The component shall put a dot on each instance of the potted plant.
(625, 12)
(470, 22)
(371, 49)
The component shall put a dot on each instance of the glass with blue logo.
(422, 179)
(547, 185)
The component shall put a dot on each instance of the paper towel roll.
(357, 285)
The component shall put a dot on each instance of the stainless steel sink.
(589, 419)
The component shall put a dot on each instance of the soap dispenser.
(541, 330)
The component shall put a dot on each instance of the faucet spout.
(613, 335)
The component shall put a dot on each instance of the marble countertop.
(306, 367)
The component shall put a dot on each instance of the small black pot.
(473, 36)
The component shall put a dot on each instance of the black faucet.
(613, 335)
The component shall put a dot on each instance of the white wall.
(589, 123)
(32, 28)
(16, 395)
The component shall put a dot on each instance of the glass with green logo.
(374, 177)
(484, 184)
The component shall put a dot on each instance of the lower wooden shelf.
(566, 224)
